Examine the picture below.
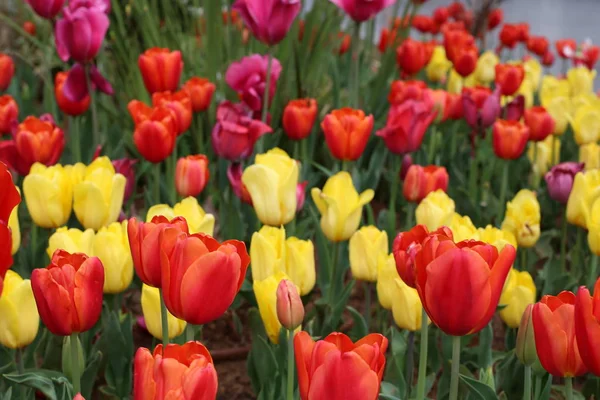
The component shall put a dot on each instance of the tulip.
(347, 132)
(111, 246)
(200, 91)
(559, 108)
(478, 271)
(586, 124)
(523, 218)
(267, 252)
(590, 54)
(271, 182)
(362, 10)
(197, 219)
(437, 68)
(519, 292)
(80, 32)
(462, 228)
(420, 181)
(401, 91)
(566, 47)
(435, 210)
(581, 80)
(465, 60)
(423, 23)
(548, 59)
(335, 368)
(299, 118)
(9, 113)
(407, 309)
(525, 347)
(583, 194)
(509, 35)
(410, 56)
(75, 87)
(268, 22)
(540, 155)
(184, 372)
(509, 77)
(49, 194)
(587, 327)
(589, 155)
(152, 317)
(553, 87)
(191, 175)
(234, 175)
(366, 245)
(46, 9)
(300, 195)
(161, 69)
(97, 200)
(266, 291)
(7, 70)
(179, 103)
(290, 310)
(481, 107)
(15, 229)
(509, 139)
(153, 125)
(539, 122)
(485, 72)
(386, 277)
(560, 180)
(340, 206)
(496, 237)
(196, 269)
(72, 240)
(19, 318)
(538, 45)
(72, 108)
(554, 327)
(29, 27)
(68, 292)
(533, 72)
(300, 264)
(236, 132)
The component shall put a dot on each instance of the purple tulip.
(407, 161)
(560, 180)
(125, 167)
(484, 116)
(76, 89)
(80, 33)
(103, 5)
(515, 109)
(269, 20)
(46, 8)
(362, 10)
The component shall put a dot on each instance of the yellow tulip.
(300, 264)
(526, 90)
(48, 195)
(559, 108)
(462, 228)
(340, 206)
(456, 83)
(554, 87)
(519, 291)
(533, 72)
(19, 318)
(15, 229)
(98, 198)
(589, 154)
(386, 286)
(111, 246)
(197, 219)
(438, 65)
(436, 210)
(585, 191)
(584, 99)
(267, 252)
(265, 292)
(485, 72)
(581, 80)
(152, 315)
(586, 124)
(497, 237)
(365, 247)
(523, 218)
(542, 161)
(72, 240)
(271, 182)
(407, 309)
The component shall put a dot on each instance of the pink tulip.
(234, 174)
(248, 77)
(481, 107)
(46, 8)
(125, 167)
(75, 87)
(269, 20)
(560, 180)
(362, 10)
(300, 195)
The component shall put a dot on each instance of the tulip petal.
(61, 37)
(52, 300)
(303, 349)
(550, 340)
(263, 185)
(87, 294)
(587, 329)
(200, 383)
(144, 386)
(89, 205)
(100, 81)
(168, 374)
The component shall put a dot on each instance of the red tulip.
(420, 181)
(509, 35)
(387, 39)
(454, 106)
(402, 90)
(9, 113)
(539, 122)
(29, 27)
(68, 292)
(587, 327)
(7, 70)
(456, 9)
(538, 45)
(509, 139)
(590, 55)
(153, 126)
(509, 77)
(554, 328)
(566, 47)
(548, 59)
(345, 42)
(440, 15)
(68, 106)
(523, 31)
(161, 69)
(8, 201)
(423, 23)
(337, 369)
(200, 91)
(495, 18)
(411, 57)
(191, 175)
(299, 118)
(347, 132)
(465, 60)
(178, 102)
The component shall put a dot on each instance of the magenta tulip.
(481, 106)
(268, 20)
(248, 77)
(362, 10)
(75, 87)
(560, 180)
(46, 8)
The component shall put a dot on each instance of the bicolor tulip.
(248, 77)
(19, 318)
(560, 179)
(509, 139)
(290, 310)
(585, 191)
(299, 118)
(523, 218)
(540, 123)
(197, 219)
(587, 327)
(519, 292)
(347, 132)
(268, 22)
(152, 314)
(420, 181)
(509, 78)
(366, 246)
(153, 125)
(7, 70)
(362, 10)
(9, 113)
(161, 69)
(200, 91)
(435, 210)
(191, 175)
(69, 107)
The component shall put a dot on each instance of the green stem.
(455, 367)
(503, 189)
(171, 163)
(368, 304)
(190, 335)
(164, 321)
(563, 243)
(333, 269)
(410, 211)
(473, 175)
(523, 251)
(95, 133)
(554, 161)
(33, 244)
(410, 362)
(569, 388)
(346, 166)
(396, 165)
(21, 370)
(290, 366)
(265, 109)
(75, 375)
(355, 67)
(527, 390)
(432, 146)
(538, 387)
(593, 276)
(75, 139)
(157, 184)
(423, 356)
(536, 178)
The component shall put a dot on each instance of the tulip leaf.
(7, 395)
(388, 397)
(360, 328)
(477, 389)
(486, 336)
(88, 379)
(54, 385)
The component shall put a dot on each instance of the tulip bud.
(7, 70)
(299, 117)
(200, 91)
(290, 310)
(525, 349)
(560, 180)
(67, 366)
(78, 396)
(29, 27)
(300, 195)
(191, 175)
(161, 69)
(9, 113)
(420, 181)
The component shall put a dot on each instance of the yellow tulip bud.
(366, 245)
(72, 240)
(436, 210)
(581, 80)
(543, 158)
(98, 198)
(523, 218)
(497, 237)
(485, 72)
(456, 83)
(586, 124)
(267, 252)
(111, 246)
(554, 87)
(19, 318)
(271, 182)
(438, 65)
(589, 154)
(152, 315)
(340, 206)
(559, 108)
(197, 219)
(265, 292)
(386, 286)
(462, 228)
(48, 195)
(585, 191)
(407, 309)
(300, 264)
(15, 229)
(519, 291)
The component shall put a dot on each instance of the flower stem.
(569, 388)
(538, 387)
(503, 189)
(455, 367)
(396, 165)
(75, 375)
(265, 108)
(88, 80)
(410, 211)
(536, 178)
(410, 362)
(75, 139)
(190, 335)
(290, 366)
(423, 356)
(20, 369)
(355, 67)
(593, 271)
(563, 243)
(368, 304)
(171, 163)
(527, 390)
(333, 269)
(164, 322)
(157, 184)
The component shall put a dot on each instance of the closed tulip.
(525, 347)
(539, 122)
(566, 47)
(519, 292)
(465, 60)
(49, 195)
(410, 56)
(437, 68)
(268, 22)
(509, 139)
(587, 327)
(184, 372)
(200, 91)
(97, 200)
(423, 23)
(509, 35)
(560, 180)
(593, 227)
(153, 125)
(407, 309)
(347, 132)
(436, 210)
(152, 315)
(340, 206)
(46, 9)
(586, 124)
(248, 77)
(9, 113)
(299, 118)
(7, 70)
(481, 106)
(533, 72)
(72, 240)
(196, 269)
(554, 87)
(68, 292)
(403, 90)
(271, 182)
(462, 228)
(538, 45)
(386, 276)
(161, 69)
(179, 103)
(361, 10)
(69, 107)
(559, 107)
(267, 252)
(485, 72)
(337, 369)
(197, 219)
(496, 237)
(420, 181)
(523, 217)
(589, 154)
(80, 32)
(191, 175)
(300, 264)
(509, 77)
(581, 80)
(554, 327)
(585, 191)
(366, 245)
(290, 310)
(19, 318)
(265, 292)
(111, 246)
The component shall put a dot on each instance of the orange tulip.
(184, 372)
(200, 91)
(420, 181)
(539, 122)
(299, 117)
(196, 269)
(337, 369)
(554, 327)
(161, 69)
(587, 327)
(410, 56)
(178, 102)
(460, 283)
(509, 77)
(68, 292)
(402, 90)
(7, 70)
(509, 139)
(347, 132)
(37, 140)
(387, 39)
(67, 106)
(9, 113)
(191, 175)
(155, 130)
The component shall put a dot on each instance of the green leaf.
(88, 378)
(360, 328)
(478, 390)
(486, 336)
(52, 384)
